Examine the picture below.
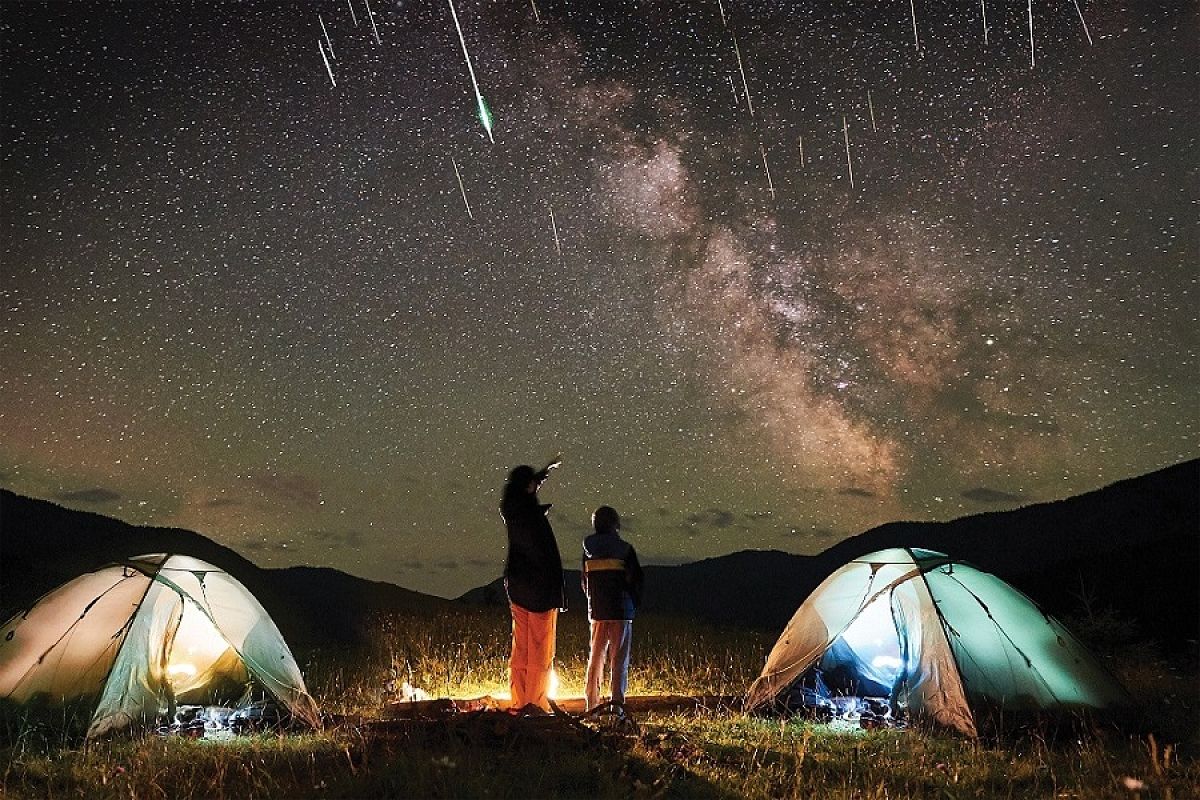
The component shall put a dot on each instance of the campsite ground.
(699, 754)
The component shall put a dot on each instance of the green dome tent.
(935, 638)
(140, 636)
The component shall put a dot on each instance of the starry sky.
(765, 273)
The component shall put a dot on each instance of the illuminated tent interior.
(140, 637)
(924, 635)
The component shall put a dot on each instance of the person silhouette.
(612, 580)
(533, 580)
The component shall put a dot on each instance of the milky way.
(274, 283)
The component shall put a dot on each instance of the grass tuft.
(696, 755)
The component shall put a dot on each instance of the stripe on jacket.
(603, 564)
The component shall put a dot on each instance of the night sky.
(242, 300)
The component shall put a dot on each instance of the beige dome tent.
(934, 638)
(140, 636)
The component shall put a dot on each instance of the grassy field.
(702, 754)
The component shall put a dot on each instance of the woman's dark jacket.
(533, 573)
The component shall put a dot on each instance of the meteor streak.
(325, 58)
(485, 116)
(1086, 33)
(328, 41)
(913, 9)
(846, 135)
(461, 188)
(767, 169)
(374, 30)
(353, 16)
(738, 52)
(1031, 34)
(554, 227)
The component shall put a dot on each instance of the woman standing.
(533, 578)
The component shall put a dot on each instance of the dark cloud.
(982, 494)
(809, 533)
(661, 558)
(712, 518)
(97, 496)
(297, 491)
(221, 502)
(336, 538)
(568, 519)
(446, 564)
(265, 546)
(854, 491)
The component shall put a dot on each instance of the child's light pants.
(611, 642)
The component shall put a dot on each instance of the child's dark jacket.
(611, 577)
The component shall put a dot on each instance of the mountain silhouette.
(43, 545)
(1132, 548)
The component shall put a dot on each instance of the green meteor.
(485, 116)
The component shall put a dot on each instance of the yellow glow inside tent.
(196, 647)
(177, 672)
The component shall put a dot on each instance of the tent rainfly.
(139, 636)
(935, 638)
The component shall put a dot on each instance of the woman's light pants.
(532, 656)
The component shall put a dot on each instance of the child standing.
(612, 581)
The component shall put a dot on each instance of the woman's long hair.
(516, 491)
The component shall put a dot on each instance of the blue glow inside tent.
(874, 644)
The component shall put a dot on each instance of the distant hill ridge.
(1133, 547)
(43, 545)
